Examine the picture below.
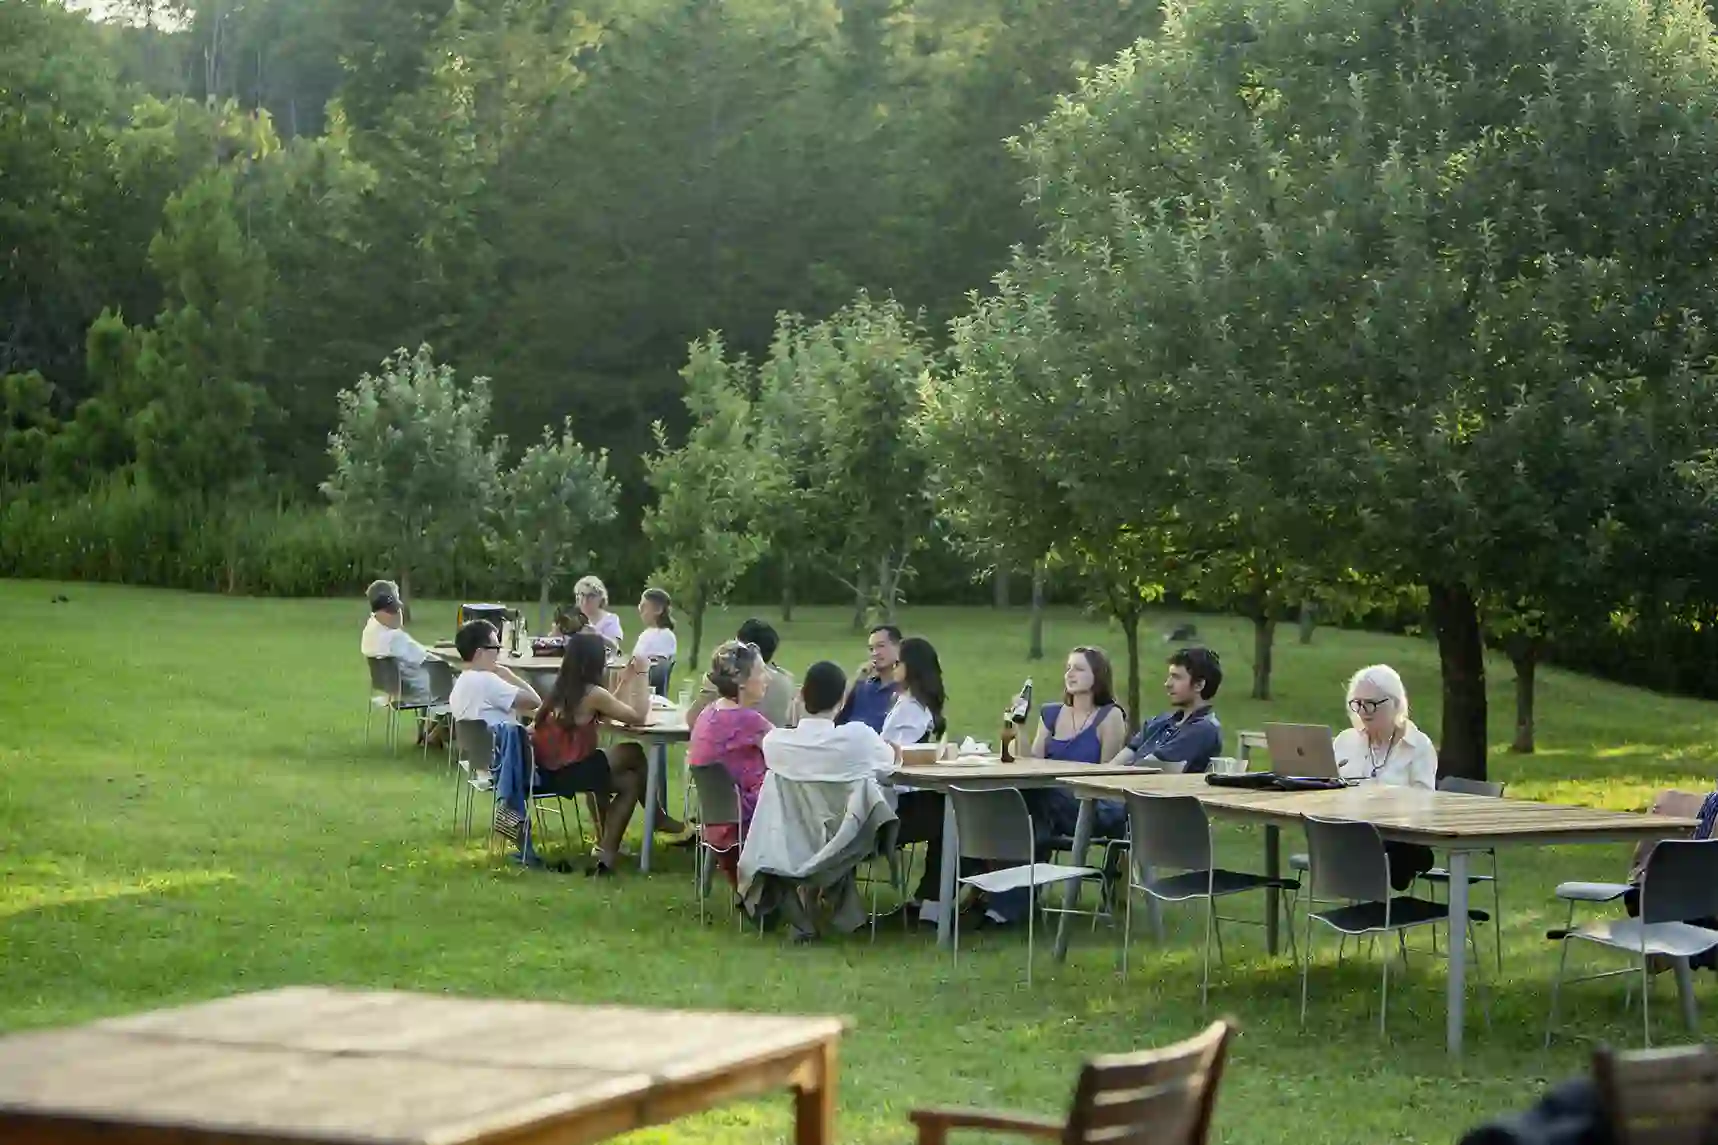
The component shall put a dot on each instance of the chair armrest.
(934, 1124)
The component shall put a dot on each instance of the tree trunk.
(1461, 654)
(1264, 640)
(1130, 630)
(886, 589)
(861, 602)
(1035, 649)
(1308, 621)
(787, 588)
(543, 605)
(697, 636)
(1524, 654)
(405, 596)
(999, 587)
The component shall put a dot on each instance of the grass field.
(189, 809)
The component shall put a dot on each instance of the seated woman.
(657, 642)
(1384, 746)
(569, 621)
(729, 734)
(916, 716)
(569, 763)
(592, 597)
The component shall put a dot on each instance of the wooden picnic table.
(341, 1067)
(1457, 823)
(992, 774)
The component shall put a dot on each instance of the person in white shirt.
(592, 597)
(384, 637)
(917, 714)
(486, 689)
(1383, 746)
(657, 643)
(818, 749)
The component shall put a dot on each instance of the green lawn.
(190, 809)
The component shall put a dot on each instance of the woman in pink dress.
(729, 734)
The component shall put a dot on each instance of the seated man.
(780, 703)
(486, 689)
(384, 637)
(874, 687)
(819, 811)
(1187, 736)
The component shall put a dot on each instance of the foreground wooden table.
(333, 1067)
(991, 775)
(1444, 820)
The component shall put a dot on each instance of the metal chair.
(1174, 831)
(661, 675)
(1680, 882)
(1658, 1097)
(1440, 876)
(474, 755)
(1684, 804)
(385, 691)
(441, 678)
(994, 826)
(1349, 864)
(719, 805)
(1159, 1097)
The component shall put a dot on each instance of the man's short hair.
(1204, 668)
(763, 634)
(384, 596)
(472, 637)
(894, 632)
(825, 684)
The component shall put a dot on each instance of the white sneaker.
(930, 912)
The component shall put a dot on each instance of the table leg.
(1273, 896)
(814, 1102)
(946, 877)
(1685, 992)
(1082, 843)
(1458, 947)
(653, 773)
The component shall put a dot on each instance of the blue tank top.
(1083, 746)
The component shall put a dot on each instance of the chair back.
(1159, 1097)
(1658, 1097)
(718, 796)
(384, 675)
(1169, 831)
(1680, 881)
(476, 742)
(1347, 860)
(661, 674)
(993, 825)
(440, 674)
(1682, 805)
(1462, 786)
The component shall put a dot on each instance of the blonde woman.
(592, 597)
(1383, 746)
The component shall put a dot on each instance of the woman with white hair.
(591, 596)
(1383, 745)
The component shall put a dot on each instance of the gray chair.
(995, 827)
(1680, 882)
(1440, 876)
(661, 676)
(719, 805)
(441, 678)
(1348, 864)
(1174, 832)
(474, 741)
(386, 691)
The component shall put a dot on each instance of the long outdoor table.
(992, 775)
(665, 726)
(337, 1067)
(1458, 824)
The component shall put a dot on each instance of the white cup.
(1226, 765)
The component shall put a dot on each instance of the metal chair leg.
(1127, 924)
(1031, 923)
(1210, 929)
(1384, 997)
(1645, 1008)
(1557, 982)
(1305, 966)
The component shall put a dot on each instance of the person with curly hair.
(730, 733)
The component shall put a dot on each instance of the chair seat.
(1591, 892)
(1033, 875)
(1439, 875)
(1197, 884)
(1405, 910)
(1671, 939)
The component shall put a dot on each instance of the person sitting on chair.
(592, 597)
(818, 748)
(872, 689)
(1187, 736)
(488, 690)
(730, 733)
(569, 762)
(385, 636)
(778, 701)
(1383, 746)
(657, 642)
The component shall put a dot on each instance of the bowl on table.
(921, 754)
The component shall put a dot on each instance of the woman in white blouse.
(1383, 744)
(591, 596)
(917, 715)
(657, 641)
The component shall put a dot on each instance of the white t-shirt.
(609, 627)
(380, 640)
(1411, 761)
(816, 751)
(657, 644)
(908, 722)
(483, 696)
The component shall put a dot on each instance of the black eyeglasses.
(1366, 707)
(489, 647)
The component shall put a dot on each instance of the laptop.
(1301, 750)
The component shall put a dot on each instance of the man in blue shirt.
(1187, 736)
(871, 693)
